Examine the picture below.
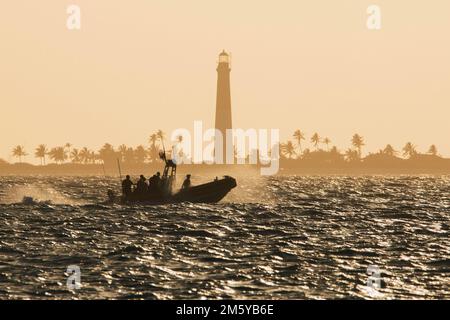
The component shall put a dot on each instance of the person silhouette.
(186, 182)
(154, 183)
(126, 186)
(141, 185)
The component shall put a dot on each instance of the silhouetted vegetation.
(41, 152)
(19, 152)
(294, 155)
(409, 150)
(332, 159)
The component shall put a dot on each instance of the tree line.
(107, 154)
(293, 149)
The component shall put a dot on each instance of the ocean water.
(271, 238)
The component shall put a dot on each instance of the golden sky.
(136, 66)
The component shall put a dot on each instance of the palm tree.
(153, 150)
(75, 155)
(58, 154)
(93, 157)
(389, 150)
(19, 152)
(140, 154)
(409, 150)
(335, 155)
(433, 150)
(351, 155)
(299, 136)
(85, 155)
(327, 141)
(122, 149)
(153, 139)
(358, 142)
(288, 149)
(107, 154)
(315, 139)
(40, 152)
(161, 136)
(129, 156)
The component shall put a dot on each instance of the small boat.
(211, 192)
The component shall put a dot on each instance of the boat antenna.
(164, 149)
(120, 171)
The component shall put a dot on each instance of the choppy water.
(281, 238)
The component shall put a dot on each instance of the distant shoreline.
(422, 166)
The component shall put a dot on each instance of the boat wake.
(33, 194)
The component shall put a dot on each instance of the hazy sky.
(136, 66)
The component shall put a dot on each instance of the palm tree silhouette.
(93, 157)
(433, 150)
(351, 155)
(140, 154)
(58, 154)
(409, 150)
(288, 149)
(85, 155)
(358, 142)
(19, 152)
(389, 150)
(129, 156)
(75, 155)
(107, 154)
(315, 139)
(40, 152)
(161, 135)
(153, 139)
(122, 149)
(153, 151)
(327, 141)
(299, 136)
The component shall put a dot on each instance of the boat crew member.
(126, 186)
(141, 185)
(158, 179)
(154, 183)
(186, 183)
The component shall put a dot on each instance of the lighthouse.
(223, 102)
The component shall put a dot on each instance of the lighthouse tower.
(223, 100)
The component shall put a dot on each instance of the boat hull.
(211, 192)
